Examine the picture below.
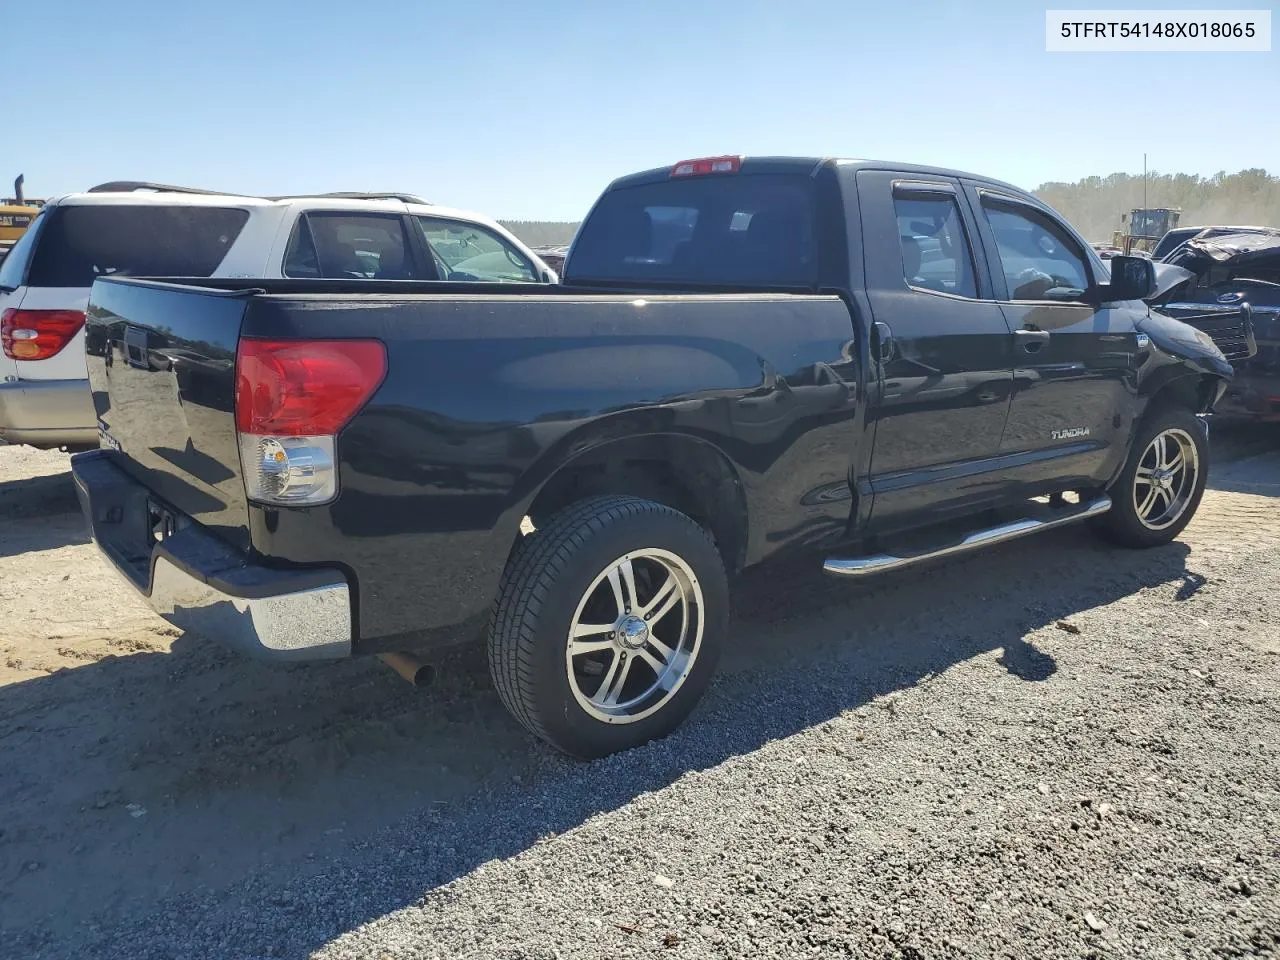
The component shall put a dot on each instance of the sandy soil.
(139, 765)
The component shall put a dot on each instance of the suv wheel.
(608, 625)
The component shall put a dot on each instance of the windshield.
(749, 229)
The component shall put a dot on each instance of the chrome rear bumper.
(199, 583)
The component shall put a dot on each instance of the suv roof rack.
(129, 186)
(352, 195)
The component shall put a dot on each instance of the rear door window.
(935, 250)
(738, 229)
(467, 251)
(350, 246)
(80, 243)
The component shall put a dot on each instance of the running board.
(884, 562)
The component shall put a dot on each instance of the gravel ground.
(1053, 749)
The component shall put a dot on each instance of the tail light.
(38, 334)
(698, 168)
(292, 399)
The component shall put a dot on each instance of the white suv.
(153, 230)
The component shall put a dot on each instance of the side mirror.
(1132, 278)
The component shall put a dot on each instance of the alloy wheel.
(1166, 478)
(635, 635)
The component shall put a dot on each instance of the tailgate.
(161, 361)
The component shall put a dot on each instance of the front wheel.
(1161, 485)
(608, 624)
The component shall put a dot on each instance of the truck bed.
(490, 389)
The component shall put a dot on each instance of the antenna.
(1144, 179)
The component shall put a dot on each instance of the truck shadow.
(39, 496)
(225, 785)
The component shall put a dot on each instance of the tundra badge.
(1070, 433)
(105, 439)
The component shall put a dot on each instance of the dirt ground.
(138, 765)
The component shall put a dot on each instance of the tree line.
(542, 233)
(1094, 205)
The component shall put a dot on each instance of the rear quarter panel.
(487, 397)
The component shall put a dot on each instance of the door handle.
(1031, 339)
(883, 341)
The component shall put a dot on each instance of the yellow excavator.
(16, 214)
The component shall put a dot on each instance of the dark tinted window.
(349, 246)
(78, 244)
(1171, 240)
(935, 251)
(15, 264)
(733, 229)
(1036, 254)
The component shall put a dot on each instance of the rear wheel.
(608, 625)
(1162, 483)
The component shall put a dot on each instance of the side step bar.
(884, 562)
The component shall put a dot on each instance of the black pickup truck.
(873, 364)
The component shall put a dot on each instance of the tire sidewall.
(567, 724)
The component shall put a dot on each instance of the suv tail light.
(38, 334)
(292, 399)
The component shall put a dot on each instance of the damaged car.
(1228, 286)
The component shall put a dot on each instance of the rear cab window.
(742, 229)
(78, 244)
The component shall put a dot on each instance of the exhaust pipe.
(410, 667)
(17, 189)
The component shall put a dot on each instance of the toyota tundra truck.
(870, 364)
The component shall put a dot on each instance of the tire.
(1134, 520)
(632, 681)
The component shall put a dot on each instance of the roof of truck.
(806, 165)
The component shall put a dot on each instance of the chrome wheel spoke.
(579, 647)
(662, 650)
(1145, 507)
(622, 579)
(614, 680)
(669, 591)
(1144, 474)
(657, 666)
(1175, 464)
(615, 584)
(658, 610)
(1161, 445)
